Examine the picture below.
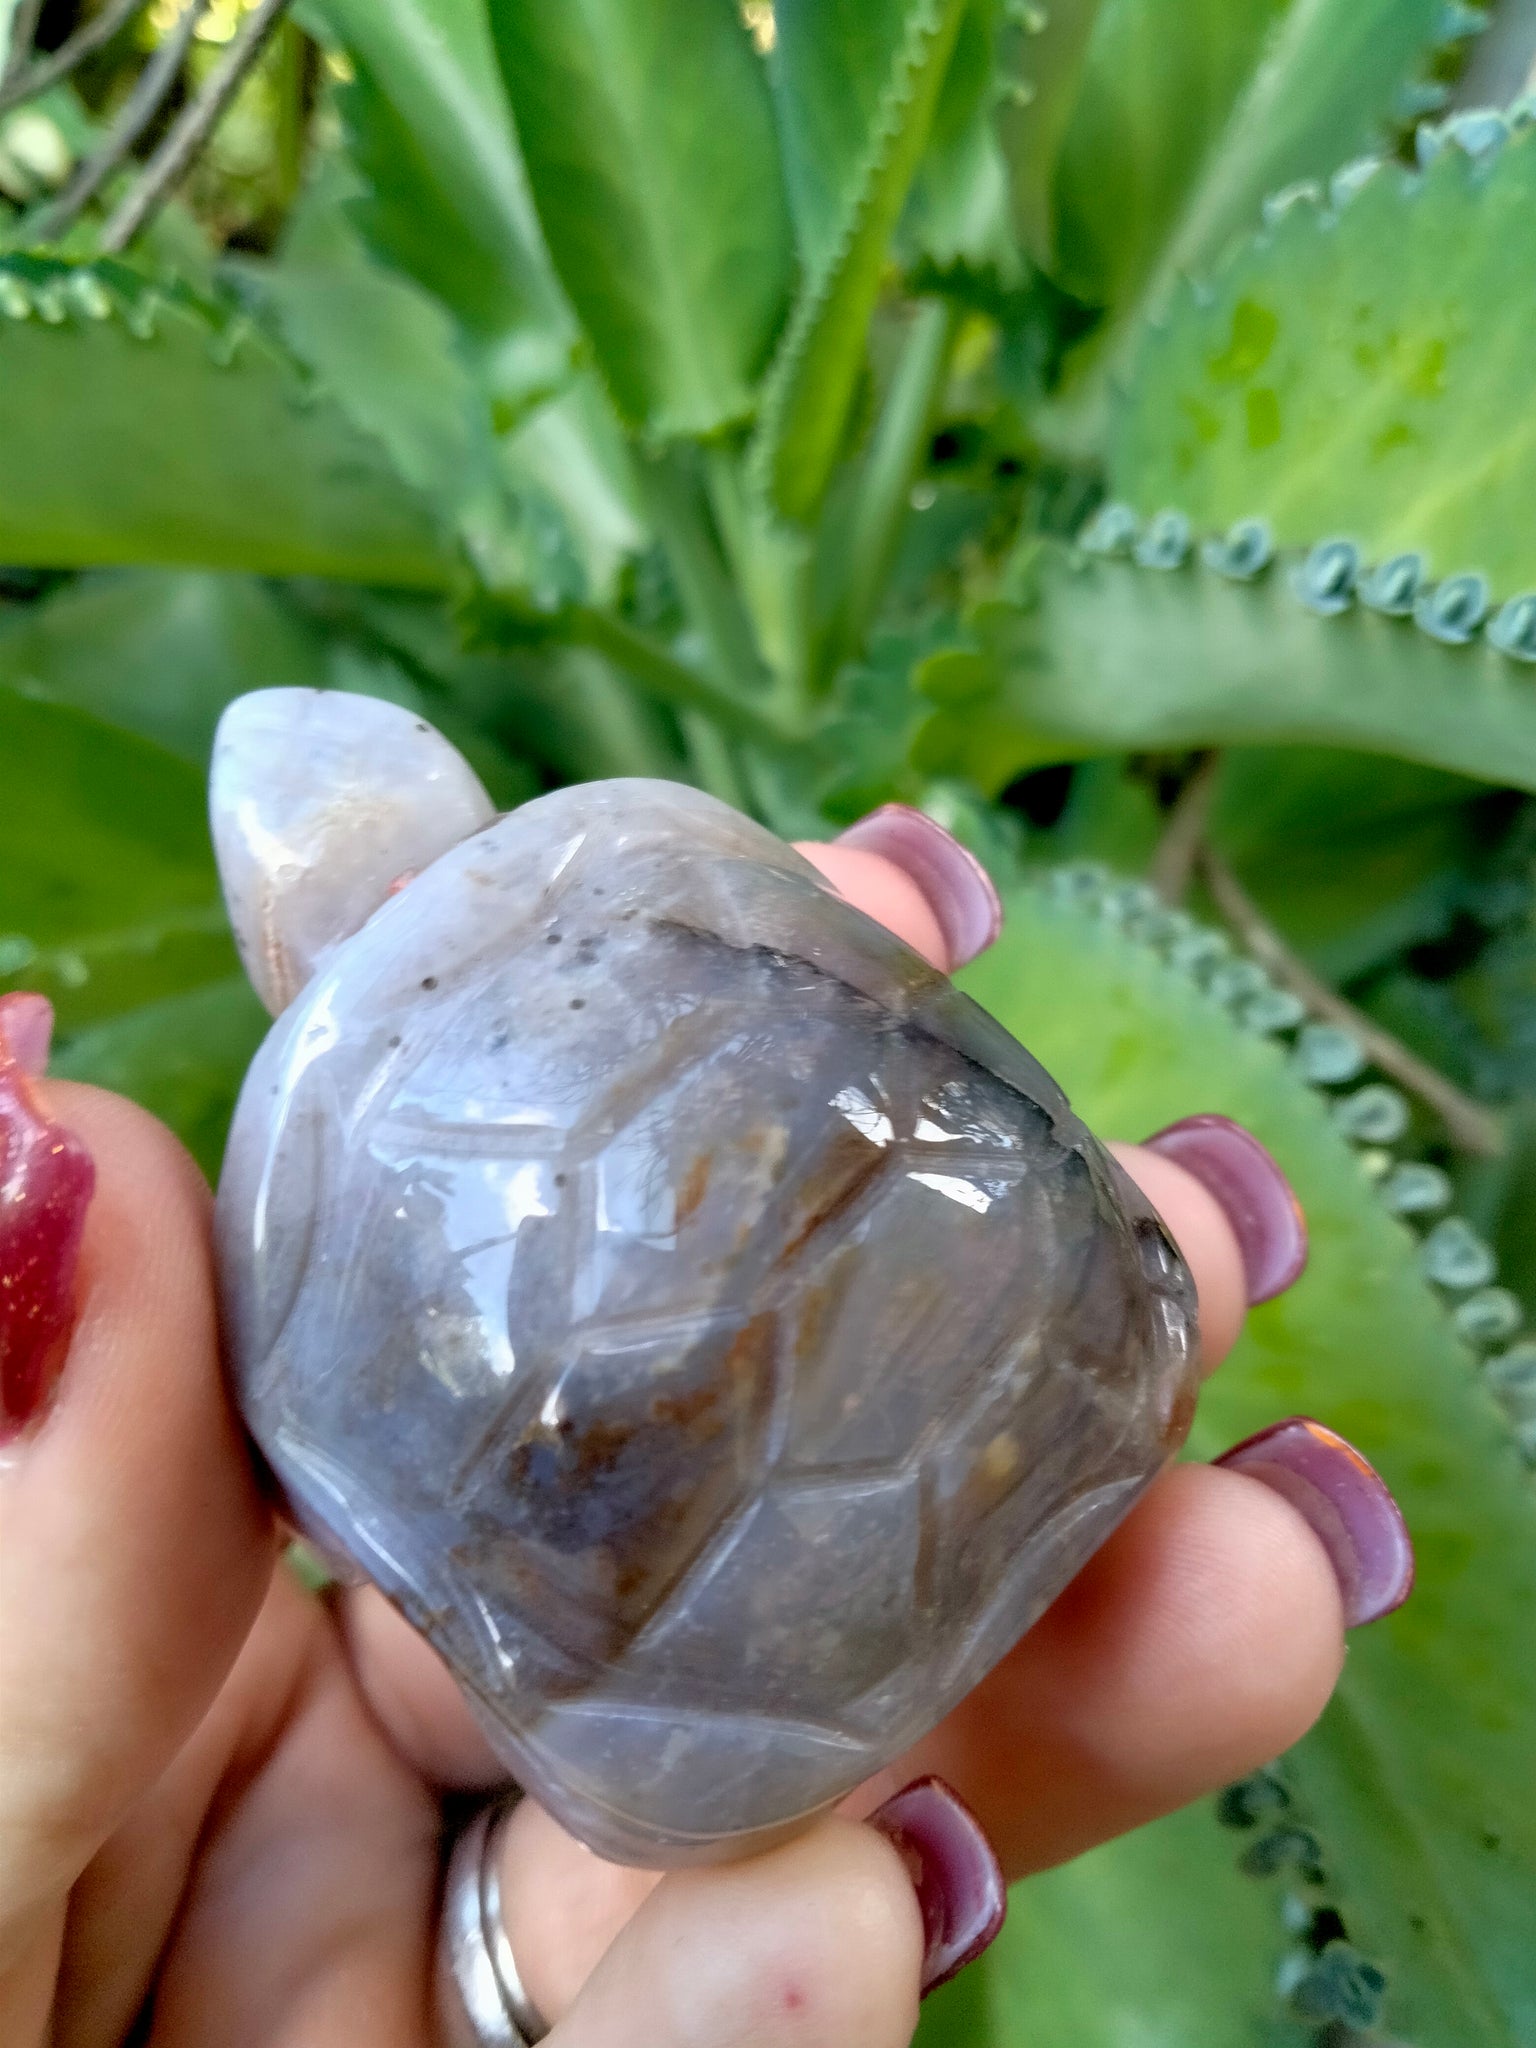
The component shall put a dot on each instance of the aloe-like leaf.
(1104, 655)
(856, 88)
(446, 198)
(1363, 370)
(1408, 1775)
(142, 424)
(108, 895)
(648, 136)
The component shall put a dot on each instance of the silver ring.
(479, 1992)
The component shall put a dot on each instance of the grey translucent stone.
(320, 801)
(711, 1330)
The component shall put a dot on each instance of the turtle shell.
(708, 1327)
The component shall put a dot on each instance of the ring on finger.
(480, 1994)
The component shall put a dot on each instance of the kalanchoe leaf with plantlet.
(1107, 427)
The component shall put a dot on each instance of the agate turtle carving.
(712, 1331)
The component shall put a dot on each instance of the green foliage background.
(1075, 419)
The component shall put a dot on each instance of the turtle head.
(320, 803)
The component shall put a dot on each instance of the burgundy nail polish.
(958, 889)
(1246, 1180)
(26, 1028)
(1345, 1501)
(959, 1885)
(46, 1182)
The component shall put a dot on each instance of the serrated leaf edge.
(1240, 986)
(925, 25)
(62, 294)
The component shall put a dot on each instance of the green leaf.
(159, 651)
(573, 450)
(957, 224)
(1363, 372)
(1354, 857)
(1042, 67)
(1410, 1773)
(1104, 656)
(1156, 1940)
(388, 354)
(856, 89)
(108, 896)
(141, 424)
(446, 197)
(648, 136)
(1227, 100)
(182, 1059)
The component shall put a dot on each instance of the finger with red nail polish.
(26, 1030)
(902, 867)
(1345, 1502)
(1245, 1179)
(46, 1183)
(956, 1876)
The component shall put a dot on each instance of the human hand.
(221, 1798)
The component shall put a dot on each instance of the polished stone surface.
(714, 1332)
(319, 802)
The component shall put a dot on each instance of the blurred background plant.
(1110, 426)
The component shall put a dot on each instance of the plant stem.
(1469, 1124)
(671, 681)
(23, 33)
(151, 90)
(710, 599)
(1173, 864)
(769, 564)
(192, 126)
(900, 436)
(713, 761)
(26, 84)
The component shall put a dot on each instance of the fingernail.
(958, 888)
(959, 1886)
(1245, 1178)
(46, 1182)
(26, 1028)
(1345, 1501)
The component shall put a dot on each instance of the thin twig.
(1474, 1128)
(192, 127)
(151, 90)
(1173, 864)
(22, 85)
(23, 33)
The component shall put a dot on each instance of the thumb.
(134, 1544)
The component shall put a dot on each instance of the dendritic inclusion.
(713, 1331)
